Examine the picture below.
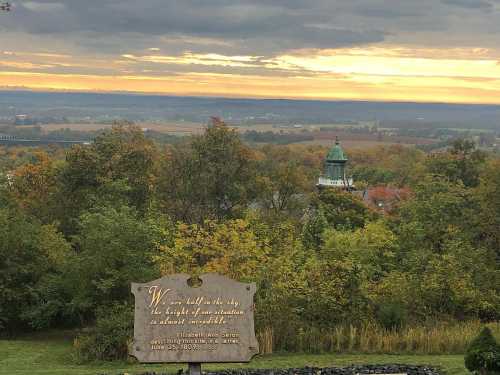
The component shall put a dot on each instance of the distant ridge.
(141, 107)
(23, 89)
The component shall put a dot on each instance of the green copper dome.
(336, 153)
(334, 172)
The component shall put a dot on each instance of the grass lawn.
(53, 356)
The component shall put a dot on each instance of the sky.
(386, 50)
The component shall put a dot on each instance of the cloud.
(470, 4)
(263, 27)
(211, 59)
(43, 7)
(271, 39)
(24, 65)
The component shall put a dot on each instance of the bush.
(391, 315)
(110, 337)
(483, 354)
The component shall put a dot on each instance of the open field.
(53, 356)
(352, 144)
(373, 137)
(179, 128)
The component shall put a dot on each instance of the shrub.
(391, 315)
(483, 354)
(110, 337)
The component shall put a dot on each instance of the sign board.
(176, 322)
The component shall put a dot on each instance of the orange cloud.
(377, 73)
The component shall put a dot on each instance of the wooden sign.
(211, 322)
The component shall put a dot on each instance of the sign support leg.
(194, 368)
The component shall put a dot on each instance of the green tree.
(117, 168)
(282, 181)
(30, 253)
(469, 161)
(395, 165)
(332, 292)
(439, 208)
(212, 176)
(372, 248)
(459, 282)
(462, 163)
(441, 263)
(5, 196)
(373, 175)
(314, 229)
(488, 210)
(372, 253)
(115, 246)
(342, 209)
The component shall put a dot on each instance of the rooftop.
(336, 153)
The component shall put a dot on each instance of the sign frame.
(175, 322)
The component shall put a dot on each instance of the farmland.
(314, 134)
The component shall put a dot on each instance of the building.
(23, 120)
(334, 172)
(385, 198)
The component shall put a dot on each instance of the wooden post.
(194, 368)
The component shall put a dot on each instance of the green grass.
(53, 356)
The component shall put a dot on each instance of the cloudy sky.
(408, 50)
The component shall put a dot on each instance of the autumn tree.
(34, 186)
(396, 165)
(117, 168)
(441, 263)
(211, 176)
(462, 162)
(229, 248)
(283, 182)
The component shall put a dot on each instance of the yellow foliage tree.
(230, 248)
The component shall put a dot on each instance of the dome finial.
(337, 142)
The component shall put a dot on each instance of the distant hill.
(104, 107)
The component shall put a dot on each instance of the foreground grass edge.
(55, 357)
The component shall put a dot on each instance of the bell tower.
(334, 174)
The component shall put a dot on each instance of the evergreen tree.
(483, 354)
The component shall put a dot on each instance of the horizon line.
(236, 97)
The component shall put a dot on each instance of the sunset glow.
(394, 68)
